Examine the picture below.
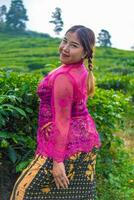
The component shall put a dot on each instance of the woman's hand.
(59, 175)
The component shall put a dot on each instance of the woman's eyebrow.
(72, 42)
(64, 38)
(75, 43)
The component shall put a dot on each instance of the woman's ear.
(84, 55)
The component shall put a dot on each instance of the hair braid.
(91, 78)
(90, 57)
(87, 39)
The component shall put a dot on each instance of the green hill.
(35, 51)
(21, 51)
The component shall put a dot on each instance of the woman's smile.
(71, 50)
(64, 54)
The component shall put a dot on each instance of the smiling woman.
(67, 139)
(71, 51)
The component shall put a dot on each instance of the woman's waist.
(81, 129)
(82, 135)
(71, 148)
(76, 121)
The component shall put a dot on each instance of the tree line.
(16, 17)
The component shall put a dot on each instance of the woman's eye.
(64, 41)
(74, 45)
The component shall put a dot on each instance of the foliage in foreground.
(114, 165)
(18, 124)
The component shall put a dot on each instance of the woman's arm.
(59, 174)
(62, 99)
(62, 107)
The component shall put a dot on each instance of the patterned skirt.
(36, 182)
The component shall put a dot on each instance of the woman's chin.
(63, 61)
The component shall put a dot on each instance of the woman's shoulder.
(62, 77)
(58, 71)
(55, 70)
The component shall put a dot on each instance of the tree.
(16, 16)
(132, 47)
(57, 20)
(3, 10)
(104, 38)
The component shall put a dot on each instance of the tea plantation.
(24, 60)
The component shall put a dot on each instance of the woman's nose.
(66, 47)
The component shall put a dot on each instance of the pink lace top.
(65, 125)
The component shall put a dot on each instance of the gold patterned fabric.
(36, 181)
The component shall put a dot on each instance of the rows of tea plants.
(24, 60)
(18, 125)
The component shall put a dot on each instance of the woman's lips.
(64, 55)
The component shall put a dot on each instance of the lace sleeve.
(62, 98)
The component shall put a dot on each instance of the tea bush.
(114, 166)
(19, 111)
(121, 70)
(125, 83)
(18, 114)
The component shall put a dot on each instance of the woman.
(64, 163)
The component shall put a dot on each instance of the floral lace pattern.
(65, 125)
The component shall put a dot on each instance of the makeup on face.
(71, 50)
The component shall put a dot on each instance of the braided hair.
(87, 40)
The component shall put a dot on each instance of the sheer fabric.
(65, 125)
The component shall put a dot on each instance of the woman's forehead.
(72, 36)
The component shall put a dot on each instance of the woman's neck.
(77, 64)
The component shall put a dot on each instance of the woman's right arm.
(62, 99)
(59, 174)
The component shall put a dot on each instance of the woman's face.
(71, 50)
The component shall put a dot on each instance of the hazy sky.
(116, 16)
